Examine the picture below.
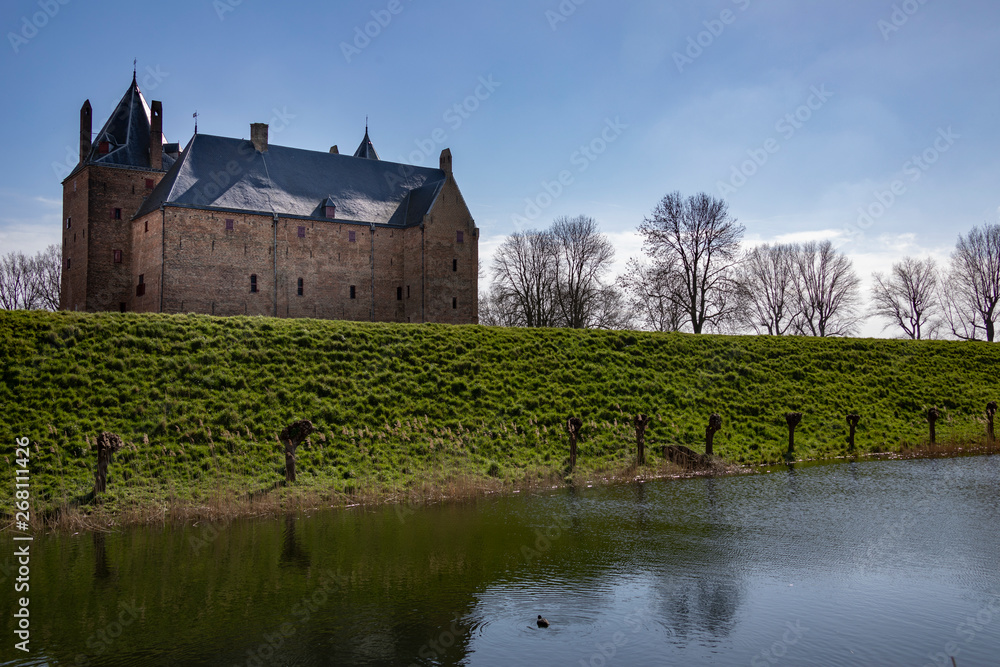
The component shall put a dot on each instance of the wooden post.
(793, 419)
(294, 435)
(714, 426)
(573, 425)
(932, 417)
(107, 445)
(641, 422)
(991, 410)
(852, 421)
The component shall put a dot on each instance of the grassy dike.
(408, 411)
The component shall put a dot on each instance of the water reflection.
(893, 555)
(292, 551)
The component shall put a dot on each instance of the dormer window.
(329, 209)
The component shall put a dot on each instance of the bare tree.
(610, 310)
(768, 275)
(698, 236)
(498, 308)
(18, 286)
(974, 284)
(31, 283)
(653, 295)
(583, 256)
(48, 276)
(524, 279)
(829, 291)
(907, 297)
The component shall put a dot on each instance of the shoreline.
(288, 500)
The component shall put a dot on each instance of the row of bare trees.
(31, 282)
(696, 275)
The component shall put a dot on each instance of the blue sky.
(802, 114)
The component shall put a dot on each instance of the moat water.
(874, 563)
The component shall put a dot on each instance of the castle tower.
(119, 167)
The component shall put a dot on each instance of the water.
(876, 563)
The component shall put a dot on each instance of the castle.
(242, 227)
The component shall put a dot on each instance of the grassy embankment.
(407, 411)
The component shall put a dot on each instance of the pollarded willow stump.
(293, 436)
(714, 426)
(641, 422)
(932, 417)
(852, 422)
(991, 411)
(107, 445)
(793, 419)
(573, 425)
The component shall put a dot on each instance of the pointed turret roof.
(127, 134)
(366, 150)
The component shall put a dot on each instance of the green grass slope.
(199, 400)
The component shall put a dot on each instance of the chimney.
(258, 135)
(156, 137)
(334, 150)
(86, 128)
(446, 161)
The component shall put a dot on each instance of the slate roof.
(366, 149)
(229, 174)
(127, 133)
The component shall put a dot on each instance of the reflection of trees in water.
(102, 571)
(701, 582)
(292, 551)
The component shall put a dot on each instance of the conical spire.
(366, 150)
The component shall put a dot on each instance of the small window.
(399, 294)
(300, 286)
(330, 211)
(230, 224)
(407, 291)
(302, 232)
(103, 147)
(69, 222)
(253, 283)
(149, 184)
(116, 214)
(454, 302)
(454, 265)
(460, 237)
(352, 237)
(354, 292)
(140, 289)
(121, 306)
(118, 256)
(147, 225)
(68, 262)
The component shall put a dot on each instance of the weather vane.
(195, 116)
